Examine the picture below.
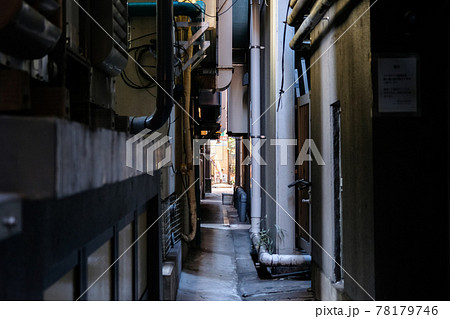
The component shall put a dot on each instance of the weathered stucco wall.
(341, 72)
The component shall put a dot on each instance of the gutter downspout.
(317, 12)
(165, 11)
(255, 112)
(188, 143)
(264, 257)
(164, 71)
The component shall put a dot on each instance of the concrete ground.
(221, 269)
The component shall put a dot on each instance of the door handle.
(306, 200)
(302, 184)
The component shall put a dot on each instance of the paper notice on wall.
(397, 84)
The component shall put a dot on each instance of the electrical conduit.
(188, 142)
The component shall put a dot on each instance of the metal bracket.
(183, 24)
(198, 55)
(196, 35)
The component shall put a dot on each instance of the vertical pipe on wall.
(164, 71)
(284, 118)
(164, 67)
(188, 143)
(237, 178)
(255, 112)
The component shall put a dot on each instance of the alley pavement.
(222, 269)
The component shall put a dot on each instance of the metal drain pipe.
(317, 13)
(164, 71)
(272, 260)
(255, 109)
(265, 258)
(299, 9)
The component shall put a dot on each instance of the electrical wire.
(218, 14)
(200, 9)
(178, 45)
(234, 2)
(282, 58)
(142, 36)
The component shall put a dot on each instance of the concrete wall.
(130, 101)
(142, 102)
(341, 71)
(48, 157)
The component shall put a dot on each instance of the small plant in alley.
(265, 240)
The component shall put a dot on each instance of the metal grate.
(171, 224)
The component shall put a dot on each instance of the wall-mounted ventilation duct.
(224, 45)
(109, 55)
(24, 32)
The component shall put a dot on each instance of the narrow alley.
(222, 268)
(225, 150)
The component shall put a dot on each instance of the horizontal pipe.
(317, 13)
(273, 260)
(298, 11)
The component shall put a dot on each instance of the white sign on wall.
(397, 85)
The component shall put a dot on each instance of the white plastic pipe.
(255, 129)
(272, 260)
(255, 110)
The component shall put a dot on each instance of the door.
(303, 206)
